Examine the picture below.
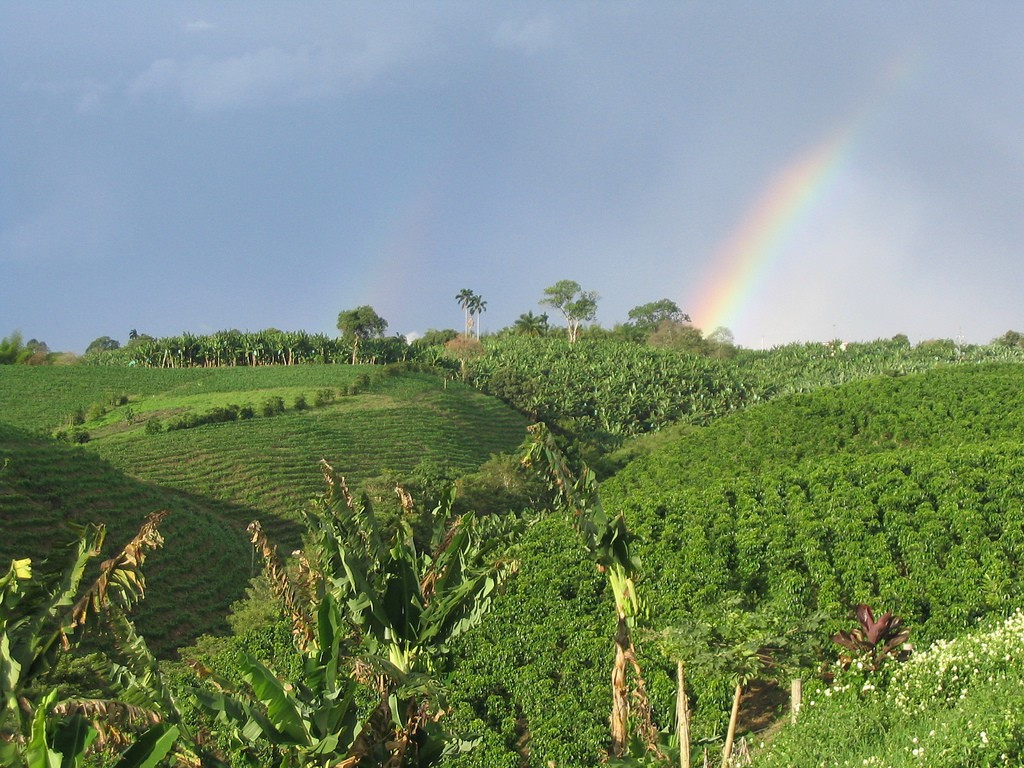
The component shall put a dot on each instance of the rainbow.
(740, 263)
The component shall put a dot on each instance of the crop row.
(47, 487)
(946, 407)
(41, 397)
(906, 493)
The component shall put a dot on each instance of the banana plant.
(368, 608)
(312, 722)
(406, 607)
(606, 539)
(42, 617)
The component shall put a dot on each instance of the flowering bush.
(960, 703)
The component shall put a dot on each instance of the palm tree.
(466, 297)
(40, 619)
(607, 540)
(529, 324)
(477, 307)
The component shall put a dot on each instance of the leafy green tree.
(1010, 339)
(721, 343)
(680, 337)
(576, 305)
(434, 337)
(12, 350)
(359, 324)
(647, 317)
(102, 344)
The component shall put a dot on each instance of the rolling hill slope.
(215, 478)
(907, 493)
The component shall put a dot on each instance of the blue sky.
(198, 166)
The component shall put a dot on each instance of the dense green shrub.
(323, 397)
(534, 676)
(217, 415)
(272, 406)
(359, 385)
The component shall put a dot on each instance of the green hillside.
(958, 703)
(879, 484)
(947, 407)
(217, 477)
(203, 567)
(906, 493)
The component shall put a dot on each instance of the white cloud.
(200, 25)
(529, 35)
(269, 75)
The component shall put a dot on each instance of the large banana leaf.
(283, 710)
(150, 748)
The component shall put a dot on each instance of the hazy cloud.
(200, 25)
(529, 35)
(269, 75)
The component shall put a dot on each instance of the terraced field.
(48, 487)
(39, 398)
(271, 464)
(217, 477)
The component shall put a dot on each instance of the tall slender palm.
(466, 297)
(477, 307)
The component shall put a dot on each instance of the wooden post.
(796, 694)
(682, 717)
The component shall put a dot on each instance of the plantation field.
(906, 493)
(606, 392)
(781, 489)
(950, 406)
(807, 367)
(41, 398)
(270, 464)
(215, 478)
(48, 486)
